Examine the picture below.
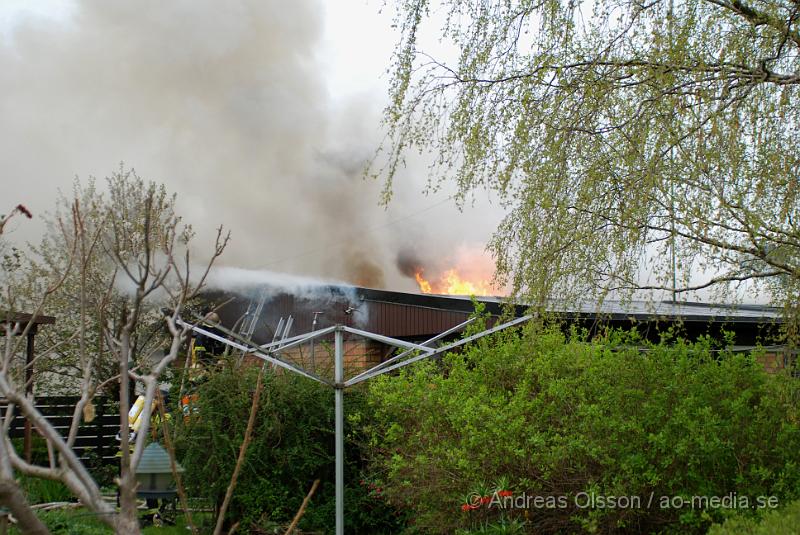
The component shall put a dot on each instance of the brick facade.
(359, 355)
(775, 362)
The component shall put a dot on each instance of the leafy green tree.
(555, 420)
(616, 132)
(782, 522)
(292, 445)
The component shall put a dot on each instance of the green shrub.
(785, 521)
(40, 490)
(102, 470)
(83, 522)
(557, 417)
(501, 527)
(36, 489)
(292, 445)
(69, 522)
(39, 453)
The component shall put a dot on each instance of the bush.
(563, 420)
(83, 522)
(69, 522)
(292, 445)
(785, 521)
(103, 471)
(39, 453)
(40, 490)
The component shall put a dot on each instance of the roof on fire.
(413, 315)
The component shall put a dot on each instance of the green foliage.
(785, 521)
(39, 490)
(292, 445)
(101, 470)
(82, 522)
(68, 522)
(38, 448)
(557, 417)
(502, 527)
(613, 130)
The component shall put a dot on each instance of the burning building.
(261, 313)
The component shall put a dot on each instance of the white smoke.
(248, 281)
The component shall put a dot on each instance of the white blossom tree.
(110, 267)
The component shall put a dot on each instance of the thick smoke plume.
(227, 104)
(409, 262)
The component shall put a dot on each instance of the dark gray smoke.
(409, 262)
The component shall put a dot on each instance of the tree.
(61, 369)
(554, 419)
(11, 496)
(118, 265)
(621, 135)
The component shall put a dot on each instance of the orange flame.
(451, 283)
(424, 286)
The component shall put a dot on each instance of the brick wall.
(773, 362)
(359, 355)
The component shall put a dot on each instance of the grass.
(82, 522)
(40, 490)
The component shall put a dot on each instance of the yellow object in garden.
(136, 410)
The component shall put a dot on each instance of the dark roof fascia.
(433, 302)
(494, 307)
(655, 318)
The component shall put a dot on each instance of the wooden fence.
(96, 439)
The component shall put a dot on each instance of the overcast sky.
(260, 114)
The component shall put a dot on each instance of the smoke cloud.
(409, 262)
(227, 104)
(248, 281)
